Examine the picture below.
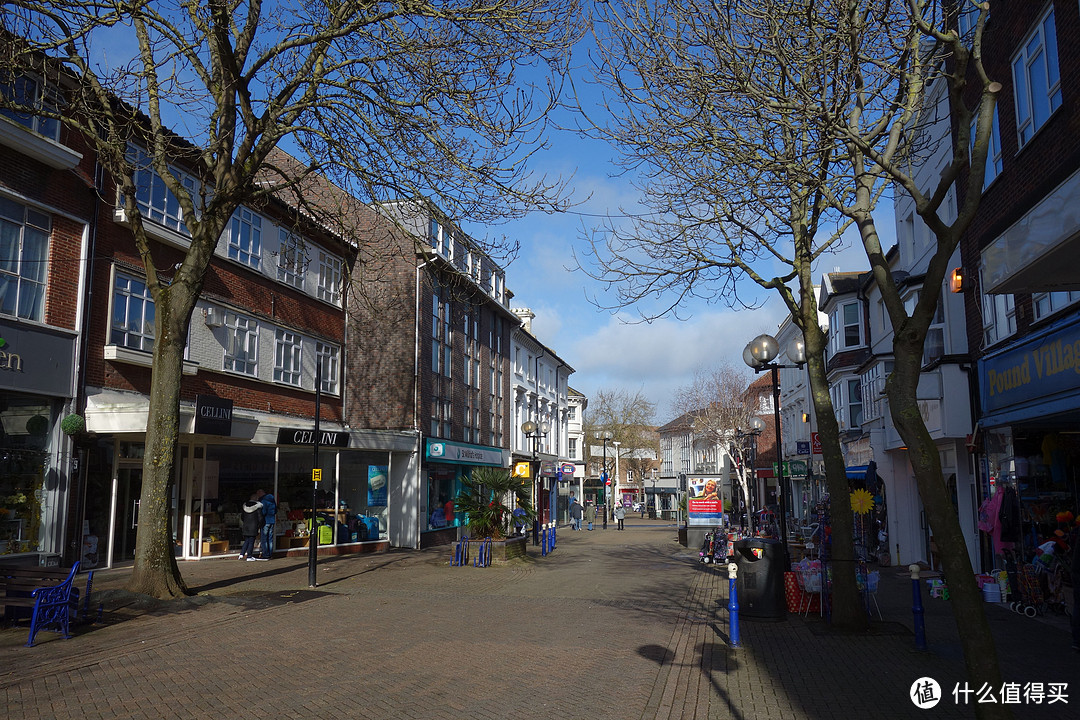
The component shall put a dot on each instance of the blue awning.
(857, 472)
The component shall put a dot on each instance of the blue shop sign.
(1034, 378)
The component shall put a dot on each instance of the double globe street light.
(534, 432)
(606, 436)
(759, 354)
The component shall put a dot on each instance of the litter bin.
(760, 580)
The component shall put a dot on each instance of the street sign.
(316, 475)
(815, 443)
(567, 468)
(802, 447)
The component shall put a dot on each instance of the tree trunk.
(847, 606)
(155, 572)
(980, 654)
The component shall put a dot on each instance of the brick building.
(1019, 269)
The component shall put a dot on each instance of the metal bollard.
(917, 608)
(543, 541)
(554, 528)
(733, 605)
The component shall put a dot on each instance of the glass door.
(127, 491)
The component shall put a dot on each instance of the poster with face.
(705, 505)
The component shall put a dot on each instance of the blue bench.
(50, 593)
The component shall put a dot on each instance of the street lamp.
(606, 436)
(759, 354)
(535, 432)
(754, 428)
(615, 481)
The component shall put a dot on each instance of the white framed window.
(845, 327)
(999, 314)
(287, 355)
(292, 259)
(993, 152)
(329, 288)
(245, 237)
(24, 260)
(855, 403)
(30, 91)
(132, 314)
(241, 344)
(327, 356)
(934, 344)
(1048, 303)
(155, 200)
(1036, 80)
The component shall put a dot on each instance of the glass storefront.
(25, 447)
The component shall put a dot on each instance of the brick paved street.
(610, 625)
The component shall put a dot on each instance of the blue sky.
(609, 351)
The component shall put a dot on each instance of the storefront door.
(127, 490)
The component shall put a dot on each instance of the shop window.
(26, 423)
(287, 346)
(242, 344)
(24, 256)
(245, 237)
(132, 314)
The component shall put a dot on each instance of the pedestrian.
(448, 511)
(251, 522)
(269, 508)
(575, 514)
(590, 514)
(620, 514)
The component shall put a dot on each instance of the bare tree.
(630, 418)
(388, 99)
(765, 128)
(714, 406)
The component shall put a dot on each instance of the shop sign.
(523, 470)
(547, 469)
(327, 438)
(452, 452)
(1044, 366)
(213, 415)
(815, 443)
(802, 447)
(38, 360)
(568, 468)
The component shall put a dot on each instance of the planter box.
(508, 549)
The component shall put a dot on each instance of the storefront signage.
(815, 443)
(452, 452)
(523, 470)
(547, 469)
(327, 438)
(37, 360)
(1043, 370)
(802, 447)
(567, 468)
(213, 415)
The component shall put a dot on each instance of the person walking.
(251, 522)
(575, 514)
(590, 514)
(1075, 568)
(269, 508)
(620, 514)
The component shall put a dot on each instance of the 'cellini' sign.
(213, 415)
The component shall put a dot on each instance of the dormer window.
(845, 327)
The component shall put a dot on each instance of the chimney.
(526, 316)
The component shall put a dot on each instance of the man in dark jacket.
(269, 508)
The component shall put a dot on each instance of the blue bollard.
(917, 608)
(554, 527)
(544, 541)
(733, 605)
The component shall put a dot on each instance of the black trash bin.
(760, 579)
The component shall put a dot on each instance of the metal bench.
(50, 593)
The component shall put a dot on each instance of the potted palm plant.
(494, 504)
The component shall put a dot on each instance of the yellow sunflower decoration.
(862, 502)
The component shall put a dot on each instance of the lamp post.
(759, 354)
(534, 432)
(615, 481)
(754, 428)
(606, 436)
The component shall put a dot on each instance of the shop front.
(1029, 440)
(219, 468)
(445, 464)
(35, 388)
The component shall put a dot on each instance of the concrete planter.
(503, 550)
